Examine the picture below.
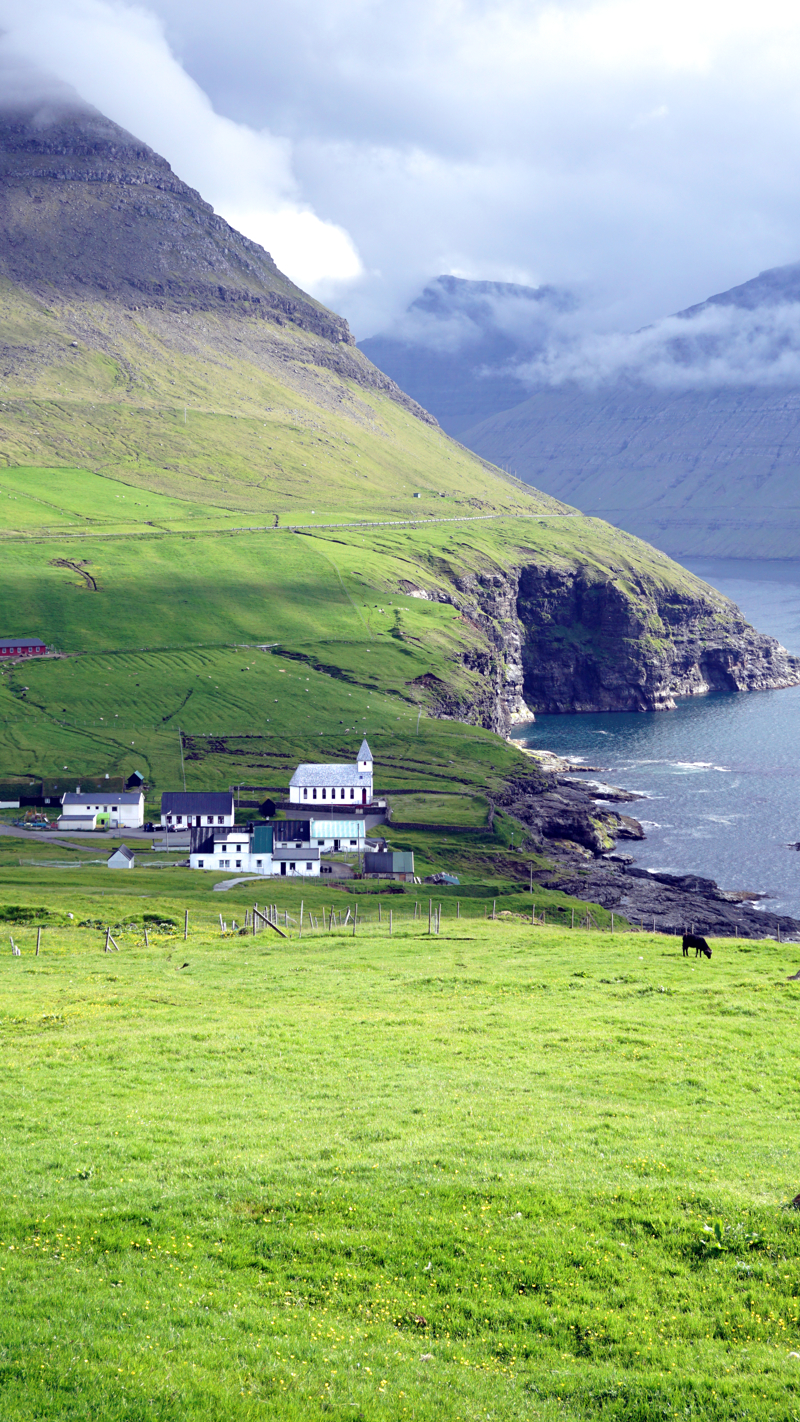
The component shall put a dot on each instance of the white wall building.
(338, 834)
(80, 822)
(288, 859)
(187, 809)
(117, 810)
(237, 851)
(233, 849)
(122, 858)
(345, 785)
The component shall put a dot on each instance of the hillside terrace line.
(46, 535)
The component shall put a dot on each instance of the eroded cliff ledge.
(594, 642)
(559, 637)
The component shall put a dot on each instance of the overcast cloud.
(642, 153)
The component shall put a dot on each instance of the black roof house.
(197, 802)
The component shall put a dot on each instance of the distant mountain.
(686, 434)
(461, 342)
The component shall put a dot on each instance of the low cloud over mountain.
(686, 432)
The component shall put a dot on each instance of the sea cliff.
(562, 637)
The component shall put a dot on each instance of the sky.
(641, 153)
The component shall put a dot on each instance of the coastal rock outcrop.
(563, 637)
(577, 836)
(596, 641)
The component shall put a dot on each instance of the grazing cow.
(693, 940)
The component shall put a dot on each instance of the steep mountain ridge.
(89, 212)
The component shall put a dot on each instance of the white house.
(79, 822)
(233, 849)
(338, 834)
(288, 859)
(113, 809)
(238, 850)
(122, 858)
(343, 784)
(182, 809)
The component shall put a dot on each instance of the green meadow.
(271, 636)
(501, 1171)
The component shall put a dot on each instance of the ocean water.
(721, 774)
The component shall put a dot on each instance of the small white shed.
(122, 858)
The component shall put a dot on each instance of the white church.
(344, 784)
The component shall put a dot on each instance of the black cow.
(693, 940)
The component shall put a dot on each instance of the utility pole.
(183, 767)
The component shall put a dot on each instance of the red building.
(22, 647)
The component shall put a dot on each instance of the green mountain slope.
(171, 408)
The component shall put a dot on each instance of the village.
(325, 827)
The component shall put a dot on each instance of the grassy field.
(500, 1172)
(257, 635)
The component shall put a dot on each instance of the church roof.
(309, 774)
(365, 753)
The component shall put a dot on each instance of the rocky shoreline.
(573, 823)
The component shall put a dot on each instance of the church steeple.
(365, 758)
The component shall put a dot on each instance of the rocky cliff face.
(595, 642)
(560, 639)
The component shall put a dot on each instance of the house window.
(238, 864)
(314, 794)
(354, 841)
(308, 865)
(259, 863)
(352, 793)
(323, 794)
(115, 808)
(292, 866)
(199, 863)
(209, 819)
(321, 843)
(220, 819)
(180, 819)
(305, 794)
(222, 863)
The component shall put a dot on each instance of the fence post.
(301, 917)
(146, 939)
(108, 935)
(39, 939)
(458, 908)
(533, 914)
(186, 926)
(494, 908)
(573, 918)
(380, 920)
(430, 914)
(612, 920)
(390, 923)
(355, 917)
